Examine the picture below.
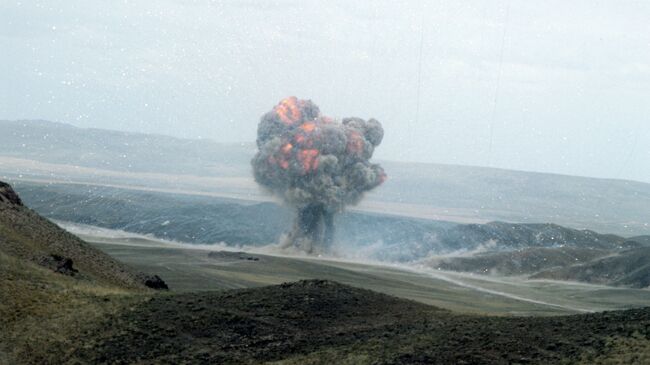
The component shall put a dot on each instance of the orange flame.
(309, 159)
(304, 140)
(286, 149)
(288, 110)
(279, 160)
(308, 127)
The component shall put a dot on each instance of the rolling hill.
(628, 268)
(316, 321)
(526, 261)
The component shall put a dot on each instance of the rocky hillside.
(323, 322)
(53, 285)
(27, 236)
(8, 195)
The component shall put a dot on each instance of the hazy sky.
(561, 86)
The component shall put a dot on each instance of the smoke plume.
(317, 165)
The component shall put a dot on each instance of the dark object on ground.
(58, 263)
(229, 256)
(155, 282)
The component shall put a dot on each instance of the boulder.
(8, 195)
(59, 264)
(155, 282)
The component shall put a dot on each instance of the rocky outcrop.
(155, 282)
(58, 263)
(8, 195)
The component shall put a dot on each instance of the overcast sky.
(553, 86)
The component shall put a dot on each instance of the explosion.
(317, 165)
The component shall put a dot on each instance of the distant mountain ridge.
(55, 142)
(432, 191)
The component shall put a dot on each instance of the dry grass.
(40, 310)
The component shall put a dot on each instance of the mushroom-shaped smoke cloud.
(315, 164)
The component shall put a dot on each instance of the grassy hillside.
(26, 235)
(52, 284)
(40, 310)
(317, 322)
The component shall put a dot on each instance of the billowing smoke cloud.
(315, 164)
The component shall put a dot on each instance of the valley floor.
(187, 267)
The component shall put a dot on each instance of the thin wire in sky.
(498, 85)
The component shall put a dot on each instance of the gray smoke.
(315, 164)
